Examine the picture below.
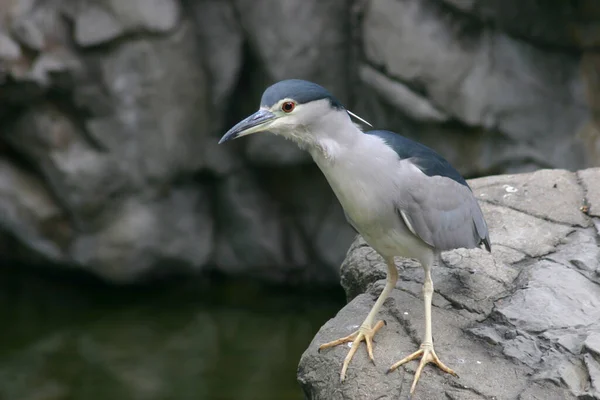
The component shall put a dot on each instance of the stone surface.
(401, 96)
(120, 171)
(102, 21)
(144, 237)
(590, 178)
(519, 323)
(9, 50)
(250, 222)
(537, 98)
(31, 215)
(567, 24)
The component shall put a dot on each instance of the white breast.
(367, 180)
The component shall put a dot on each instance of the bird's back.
(428, 161)
(437, 204)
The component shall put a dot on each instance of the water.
(72, 339)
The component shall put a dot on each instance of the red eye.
(288, 106)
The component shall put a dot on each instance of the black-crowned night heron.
(402, 197)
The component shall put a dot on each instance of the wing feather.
(444, 214)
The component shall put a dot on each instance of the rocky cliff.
(519, 323)
(110, 112)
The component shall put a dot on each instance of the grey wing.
(444, 214)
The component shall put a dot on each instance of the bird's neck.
(333, 137)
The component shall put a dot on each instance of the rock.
(456, 64)
(159, 117)
(590, 178)
(95, 25)
(250, 228)
(305, 193)
(402, 97)
(38, 26)
(83, 179)
(27, 31)
(270, 150)
(102, 21)
(525, 195)
(254, 237)
(49, 65)
(175, 230)
(29, 213)
(514, 324)
(219, 30)
(570, 25)
(121, 172)
(9, 50)
(303, 40)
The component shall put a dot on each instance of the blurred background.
(142, 261)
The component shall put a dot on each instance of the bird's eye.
(288, 106)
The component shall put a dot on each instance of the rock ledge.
(520, 323)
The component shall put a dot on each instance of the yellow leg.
(366, 330)
(426, 352)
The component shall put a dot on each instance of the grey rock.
(159, 117)
(592, 343)
(590, 178)
(38, 26)
(458, 65)
(120, 173)
(414, 105)
(519, 323)
(48, 65)
(546, 303)
(143, 235)
(28, 212)
(250, 231)
(333, 234)
(220, 160)
(304, 40)
(9, 50)
(593, 368)
(524, 197)
(318, 215)
(102, 21)
(271, 150)
(222, 36)
(533, 236)
(95, 25)
(82, 178)
(569, 25)
(27, 31)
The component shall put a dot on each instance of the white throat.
(332, 136)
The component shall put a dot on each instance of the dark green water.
(75, 339)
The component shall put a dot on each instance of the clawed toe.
(427, 354)
(363, 333)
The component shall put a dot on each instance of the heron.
(401, 196)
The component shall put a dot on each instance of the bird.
(401, 196)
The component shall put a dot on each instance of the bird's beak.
(257, 122)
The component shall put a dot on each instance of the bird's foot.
(427, 355)
(365, 333)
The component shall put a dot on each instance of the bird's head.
(295, 109)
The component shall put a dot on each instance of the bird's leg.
(367, 330)
(426, 351)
